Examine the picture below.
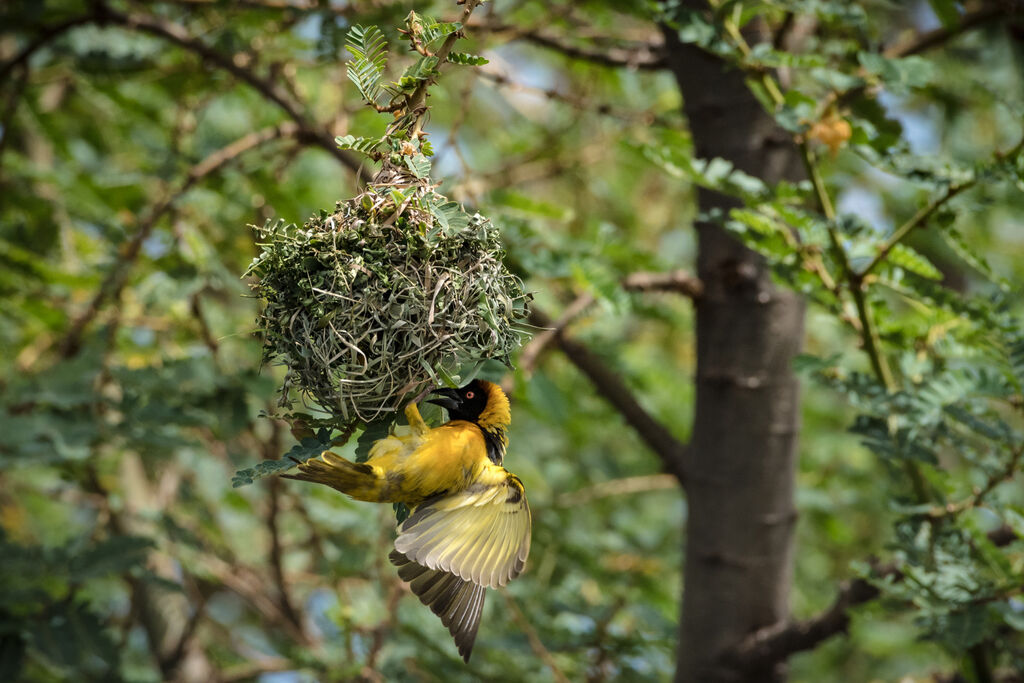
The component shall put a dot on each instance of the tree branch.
(673, 281)
(779, 642)
(9, 108)
(658, 438)
(115, 280)
(920, 219)
(937, 37)
(276, 553)
(49, 34)
(532, 638)
(642, 56)
(415, 104)
(647, 56)
(307, 133)
(617, 487)
(346, 10)
(647, 118)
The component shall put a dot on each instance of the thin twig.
(645, 56)
(1008, 472)
(656, 435)
(10, 108)
(780, 641)
(915, 221)
(48, 35)
(204, 328)
(942, 35)
(678, 281)
(618, 487)
(178, 35)
(247, 671)
(536, 645)
(276, 552)
(532, 352)
(115, 280)
(341, 10)
(646, 118)
(920, 219)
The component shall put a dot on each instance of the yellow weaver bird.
(469, 526)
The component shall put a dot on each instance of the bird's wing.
(458, 602)
(481, 534)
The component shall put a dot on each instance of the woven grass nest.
(397, 288)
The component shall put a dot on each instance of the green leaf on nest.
(309, 447)
(451, 216)
(367, 146)
(419, 165)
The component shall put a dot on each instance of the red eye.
(470, 394)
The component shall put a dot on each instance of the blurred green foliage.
(125, 552)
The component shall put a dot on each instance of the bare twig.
(601, 667)
(678, 281)
(647, 118)
(250, 670)
(340, 10)
(307, 132)
(251, 586)
(276, 547)
(673, 281)
(177, 653)
(115, 280)
(204, 328)
(48, 34)
(942, 35)
(536, 645)
(618, 487)
(542, 340)
(381, 630)
(641, 56)
(647, 56)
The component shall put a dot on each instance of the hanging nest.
(395, 289)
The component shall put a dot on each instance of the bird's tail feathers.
(359, 480)
(458, 602)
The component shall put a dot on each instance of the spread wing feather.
(480, 534)
(459, 603)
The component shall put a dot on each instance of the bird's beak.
(449, 399)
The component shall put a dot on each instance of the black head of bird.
(465, 403)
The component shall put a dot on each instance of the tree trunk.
(739, 540)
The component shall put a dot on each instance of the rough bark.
(739, 539)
